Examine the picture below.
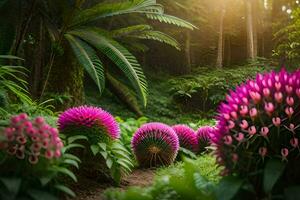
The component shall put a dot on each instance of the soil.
(91, 189)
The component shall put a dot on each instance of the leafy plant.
(257, 124)
(185, 181)
(128, 128)
(102, 132)
(12, 79)
(31, 164)
(207, 87)
(155, 144)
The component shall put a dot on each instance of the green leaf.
(121, 57)
(39, 194)
(102, 146)
(273, 170)
(103, 10)
(109, 162)
(10, 57)
(65, 190)
(95, 149)
(71, 156)
(46, 179)
(12, 184)
(71, 146)
(228, 187)
(88, 58)
(104, 154)
(72, 162)
(64, 171)
(75, 138)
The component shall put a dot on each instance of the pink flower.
(231, 124)
(21, 139)
(244, 124)
(187, 137)
(239, 137)
(235, 157)
(228, 140)
(39, 120)
(288, 89)
(57, 153)
(49, 154)
(276, 121)
(155, 144)
(90, 117)
(278, 86)
(284, 152)
(252, 130)
(266, 92)
(269, 107)
(244, 110)
(289, 111)
(264, 131)
(33, 159)
(253, 112)
(278, 97)
(290, 101)
(262, 151)
(294, 142)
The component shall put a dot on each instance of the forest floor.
(90, 189)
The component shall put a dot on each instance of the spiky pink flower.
(27, 139)
(155, 144)
(268, 112)
(89, 117)
(187, 137)
(204, 135)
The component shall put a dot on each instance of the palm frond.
(169, 19)
(103, 10)
(120, 56)
(129, 30)
(88, 58)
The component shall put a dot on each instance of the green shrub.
(206, 87)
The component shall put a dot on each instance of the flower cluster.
(204, 135)
(155, 144)
(26, 139)
(187, 137)
(259, 119)
(94, 119)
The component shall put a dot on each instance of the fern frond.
(130, 30)
(157, 36)
(120, 56)
(169, 19)
(88, 58)
(103, 10)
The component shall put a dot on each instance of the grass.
(205, 163)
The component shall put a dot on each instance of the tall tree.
(251, 34)
(220, 54)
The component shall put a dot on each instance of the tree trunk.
(250, 31)
(220, 53)
(66, 78)
(188, 67)
(39, 62)
(228, 50)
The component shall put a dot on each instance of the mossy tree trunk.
(66, 78)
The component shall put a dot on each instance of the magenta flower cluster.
(259, 119)
(26, 139)
(155, 144)
(89, 117)
(204, 136)
(187, 137)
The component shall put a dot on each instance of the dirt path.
(89, 189)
